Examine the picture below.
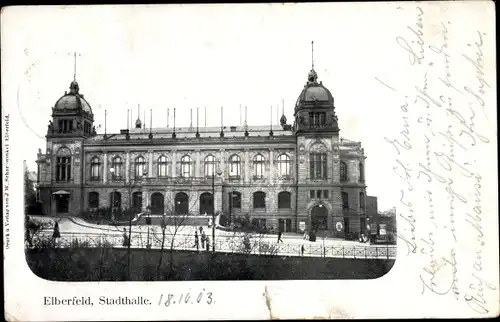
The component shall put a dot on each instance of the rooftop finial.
(74, 69)
(138, 122)
(312, 54)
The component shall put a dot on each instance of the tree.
(172, 224)
(29, 190)
(130, 186)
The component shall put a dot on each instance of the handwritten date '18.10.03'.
(201, 297)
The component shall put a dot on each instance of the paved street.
(73, 228)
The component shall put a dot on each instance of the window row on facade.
(187, 167)
(317, 167)
(181, 201)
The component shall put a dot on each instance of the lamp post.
(219, 172)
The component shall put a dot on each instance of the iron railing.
(226, 242)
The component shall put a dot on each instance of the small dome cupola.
(138, 123)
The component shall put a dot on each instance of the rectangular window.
(317, 119)
(325, 194)
(318, 194)
(311, 194)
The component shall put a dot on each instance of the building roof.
(72, 101)
(190, 133)
(314, 94)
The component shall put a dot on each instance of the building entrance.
(319, 218)
(62, 203)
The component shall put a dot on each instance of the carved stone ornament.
(302, 158)
(318, 147)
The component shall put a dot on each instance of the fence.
(228, 243)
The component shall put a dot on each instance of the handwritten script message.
(444, 126)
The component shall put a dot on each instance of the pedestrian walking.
(56, 234)
(302, 250)
(208, 243)
(201, 230)
(203, 239)
(279, 236)
(126, 240)
(196, 241)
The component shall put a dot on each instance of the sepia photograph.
(283, 144)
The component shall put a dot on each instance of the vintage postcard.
(250, 161)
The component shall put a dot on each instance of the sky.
(186, 57)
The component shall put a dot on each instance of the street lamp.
(219, 172)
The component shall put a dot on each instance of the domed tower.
(315, 110)
(316, 131)
(71, 115)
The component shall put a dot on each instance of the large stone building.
(295, 177)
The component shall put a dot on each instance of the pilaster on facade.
(247, 166)
(105, 169)
(271, 166)
(145, 200)
(222, 162)
(150, 164)
(197, 167)
(127, 167)
(174, 163)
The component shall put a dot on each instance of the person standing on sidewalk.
(56, 234)
(279, 236)
(208, 243)
(126, 240)
(196, 241)
(203, 239)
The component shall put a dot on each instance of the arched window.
(163, 166)
(345, 201)
(284, 200)
(93, 199)
(137, 201)
(186, 166)
(181, 203)
(343, 171)
(284, 165)
(259, 199)
(117, 166)
(234, 166)
(206, 203)
(140, 167)
(361, 172)
(234, 200)
(63, 165)
(95, 167)
(209, 166)
(362, 200)
(258, 166)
